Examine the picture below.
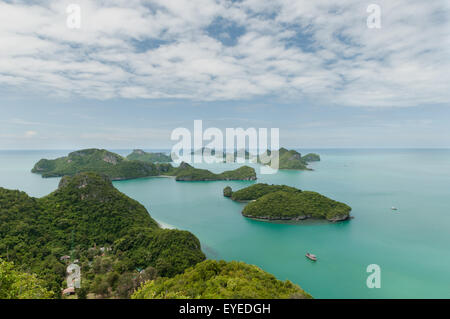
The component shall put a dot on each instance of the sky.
(135, 70)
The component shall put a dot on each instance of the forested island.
(288, 159)
(118, 247)
(117, 167)
(140, 155)
(311, 157)
(99, 161)
(142, 164)
(281, 202)
(186, 172)
(291, 159)
(225, 157)
(256, 191)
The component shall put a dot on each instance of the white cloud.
(29, 134)
(295, 49)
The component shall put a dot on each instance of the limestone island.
(140, 155)
(186, 172)
(288, 159)
(281, 202)
(225, 157)
(291, 159)
(98, 161)
(117, 167)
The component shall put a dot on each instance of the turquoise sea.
(411, 245)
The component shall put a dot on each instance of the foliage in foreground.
(19, 285)
(85, 214)
(213, 279)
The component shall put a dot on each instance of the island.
(227, 191)
(225, 157)
(255, 191)
(116, 167)
(288, 159)
(311, 157)
(99, 161)
(88, 221)
(186, 172)
(140, 155)
(119, 247)
(221, 280)
(281, 202)
(291, 159)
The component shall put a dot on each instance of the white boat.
(311, 256)
(394, 208)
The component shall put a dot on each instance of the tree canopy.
(19, 285)
(140, 155)
(137, 164)
(213, 279)
(84, 214)
(258, 190)
(296, 205)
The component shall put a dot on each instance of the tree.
(17, 285)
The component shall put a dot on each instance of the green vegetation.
(220, 280)
(115, 167)
(19, 285)
(140, 155)
(258, 190)
(142, 164)
(287, 203)
(95, 160)
(186, 172)
(227, 191)
(118, 246)
(111, 234)
(291, 159)
(311, 157)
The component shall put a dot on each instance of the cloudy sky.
(136, 70)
